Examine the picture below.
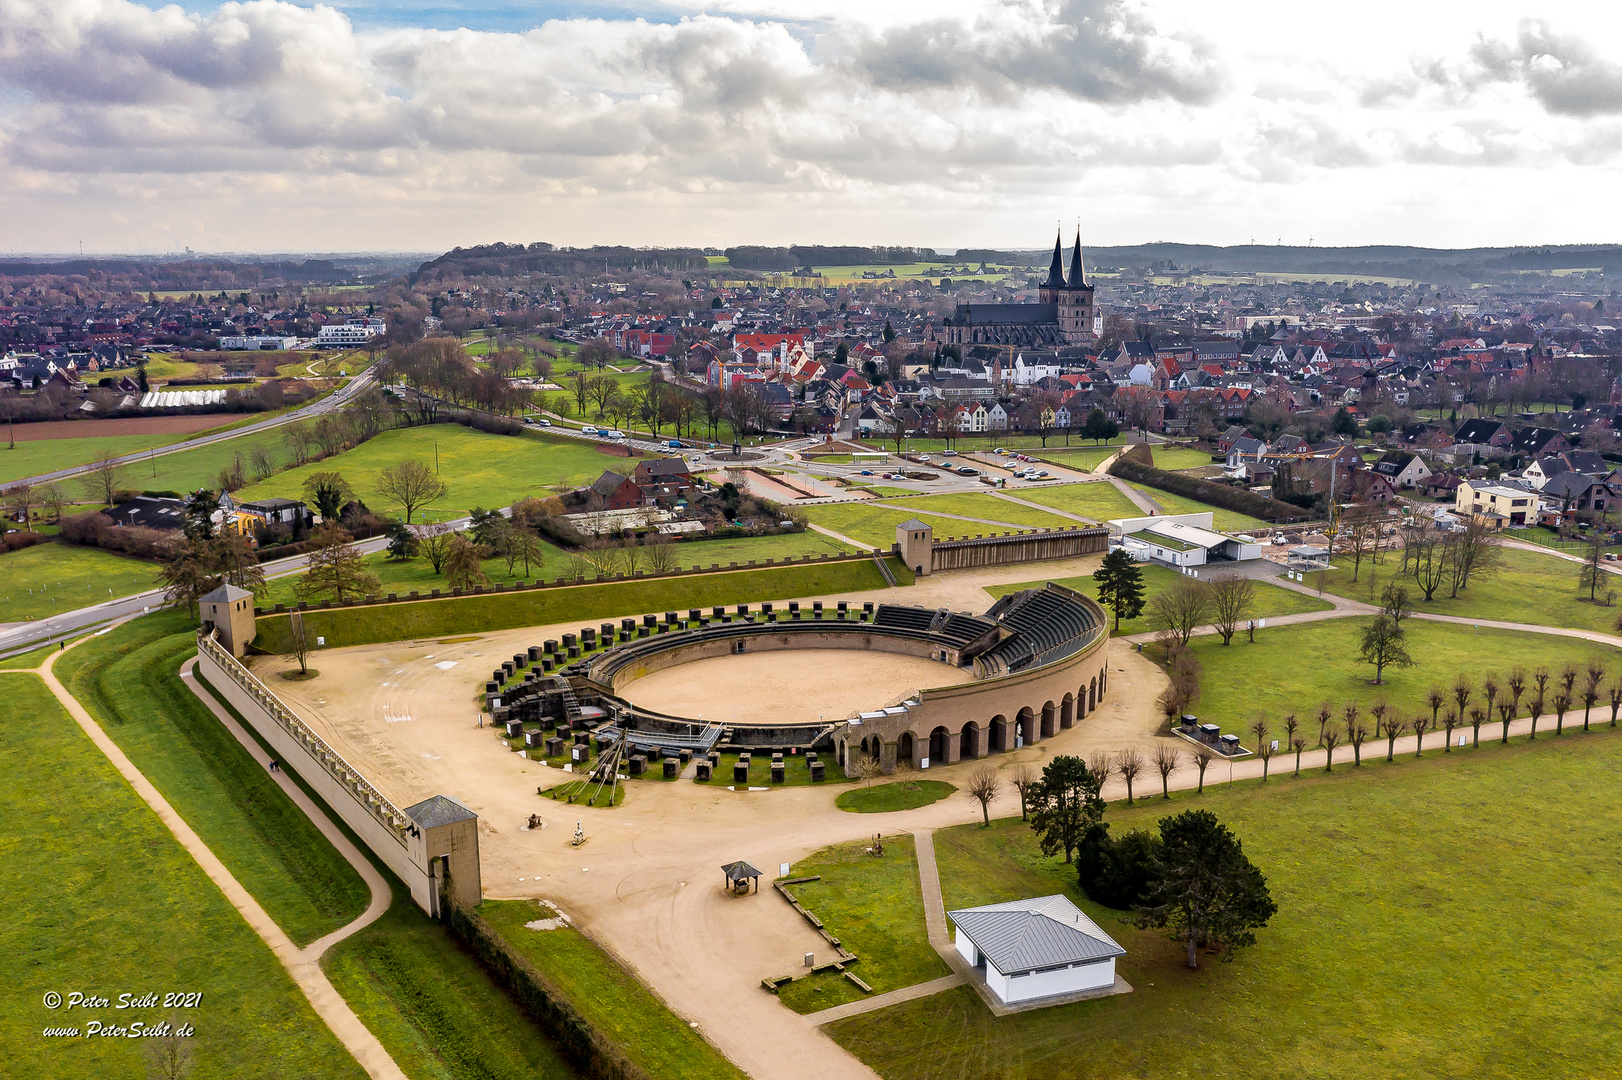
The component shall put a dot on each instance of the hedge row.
(586, 1048)
(1135, 465)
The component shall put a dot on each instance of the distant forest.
(511, 260)
(201, 274)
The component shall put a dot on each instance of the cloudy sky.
(419, 125)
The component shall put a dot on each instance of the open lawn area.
(188, 470)
(875, 525)
(435, 1010)
(1271, 600)
(1098, 501)
(1420, 932)
(545, 607)
(1079, 457)
(1230, 521)
(480, 469)
(128, 679)
(898, 795)
(1294, 668)
(48, 455)
(608, 996)
(50, 578)
(875, 909)
(987, 506)
(104, 900)
(1531, 588)
(1174, 458)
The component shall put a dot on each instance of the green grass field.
(48, 455)
(988, 507)
(899, 795)
(188, 470)
(124, 909)
(1420, 933)
(48, 579)
(440, 618)
(1294, 668)
(1080, 457)
(480, 469)
(403, 577)
(874, 524)
(875, 908)
(1230, 521)
(129, 681)
(1173, 458)
(1271, 600)
(433, 1007)
(796, 773)
(1538, 589)
(608, 996)
(1098, 501)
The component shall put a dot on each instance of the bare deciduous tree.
(411, 484)
(1422, 724)
(984, 786)
(100, 482)
(1394, 726)
(299, 642)
(1130, 764)
(1298, 745)
(1181, 609)
(1332, 737)
(1167, 762)
(1593, 679)
(1024, 780)
(1202, 761)
(1231, 598)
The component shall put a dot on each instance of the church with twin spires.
(1062, 314)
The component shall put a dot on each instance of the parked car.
(867, 472)
(542, 421)
(588, 431)
(966, 471)
(613, 433)
(948, 453)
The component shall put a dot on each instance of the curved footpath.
(302, 964)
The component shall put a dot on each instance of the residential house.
(618, 492)
(1403, 469)
(1575, 491)
(1533, 442)
(1499, 504)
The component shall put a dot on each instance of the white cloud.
(270, 125)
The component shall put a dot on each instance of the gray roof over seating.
(1022, 936)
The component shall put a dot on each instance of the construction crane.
(1334, 471)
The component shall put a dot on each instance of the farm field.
(1366, 865)
(989, 507)
(481, 470)
(1225, 520)
(128, 680)
(1268, 677)
(608, 996)
(50, 578)
(433, 1007)
(1271, 600)
(1532, 588)
(128, 910)
(1098, 500)
(875, 907)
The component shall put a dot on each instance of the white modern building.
(1032, 949)
(341, 335)
(1181, 540)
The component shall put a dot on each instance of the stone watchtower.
(915, 541)
(230, 611)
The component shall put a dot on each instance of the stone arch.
(1092, 695)
(1050, 720)
(940, 746)
(1001, 735)
(906, 748)
(969, 741)
(1067, 713)
(1026, 722)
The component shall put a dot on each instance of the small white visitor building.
(1181, 540)
(1030, 949)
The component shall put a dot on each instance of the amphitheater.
(1027, 668)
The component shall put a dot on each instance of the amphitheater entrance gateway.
(906, 749)
(1002, 735)
(1026, 725)
(1049, 720)
(1066, 713)
(940, 747)
(1092, 694)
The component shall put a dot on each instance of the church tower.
(1075, 300)
(1052, 290)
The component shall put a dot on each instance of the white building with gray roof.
(1039, 948)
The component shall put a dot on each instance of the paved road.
(315, 408)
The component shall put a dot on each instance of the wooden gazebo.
(740, 877)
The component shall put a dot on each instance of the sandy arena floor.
(648, 884)
(788, 687)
